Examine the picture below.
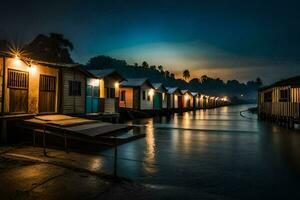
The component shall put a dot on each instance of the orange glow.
(32, 69)
(17, 60)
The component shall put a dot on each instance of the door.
(92, 99)
(157, 100)
(47, 95)
(18, 91)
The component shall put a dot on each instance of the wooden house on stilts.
(102, 91)
(280, 101)
(160, 97)
(136, 94)
(175, 101)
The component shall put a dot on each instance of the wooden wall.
(128, 103)
(146, 104)
(34, 73)
(165, 100)
(73, 104)
(277, 108)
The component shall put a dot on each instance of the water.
(213, 154)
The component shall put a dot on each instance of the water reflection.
(148, 165)
(216, 152)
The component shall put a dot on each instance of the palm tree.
(186, 74)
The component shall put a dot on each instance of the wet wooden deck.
(76, 125)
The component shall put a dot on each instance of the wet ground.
(214, 154)
(207, 154)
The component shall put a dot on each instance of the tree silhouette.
(136, 64)
(186, 74)
(172, 76)
(160, 68)
(145, 65)
(52, 48)
(153, 67)
(167, 73)
(258, 82)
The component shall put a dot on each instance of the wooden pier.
(79, 129)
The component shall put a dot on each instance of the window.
(268, 97)
(74, 88)
(110, 92)
(148, 97)
(144, 95)
(163, 96)
(17, 79)
(123, 95)
(284, 96)
(47, 83)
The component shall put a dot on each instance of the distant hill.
(204, 84)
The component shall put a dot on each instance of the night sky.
(236, 40)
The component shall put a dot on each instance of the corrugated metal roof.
(194, 93)
(136, 82)
(171, 90)
(186, 91)
(159, 86)
(101, 73)
(293, 81)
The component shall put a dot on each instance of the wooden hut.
(102, 91)
(187, 99)
(175, 100)
(73, 80)
(136, 94)
(196, 100)
(38, 87)
(28, 86)
(280, 101)
(160, 97)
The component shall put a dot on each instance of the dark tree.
(102, 62)
(186, 74)
(160, 68)
(153, 67)
(145, 65)
(52, 48)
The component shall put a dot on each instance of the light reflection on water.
(216, 154)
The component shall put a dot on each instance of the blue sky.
(237, 40)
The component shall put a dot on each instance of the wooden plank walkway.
(75, 125)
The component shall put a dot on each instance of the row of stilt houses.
(36, 87)
(280, 102)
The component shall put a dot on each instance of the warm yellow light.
(17, 60)
(151, 92)
(163, 96)
(116, 84)
(95, 82)
(32, 69)
(186, 96)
